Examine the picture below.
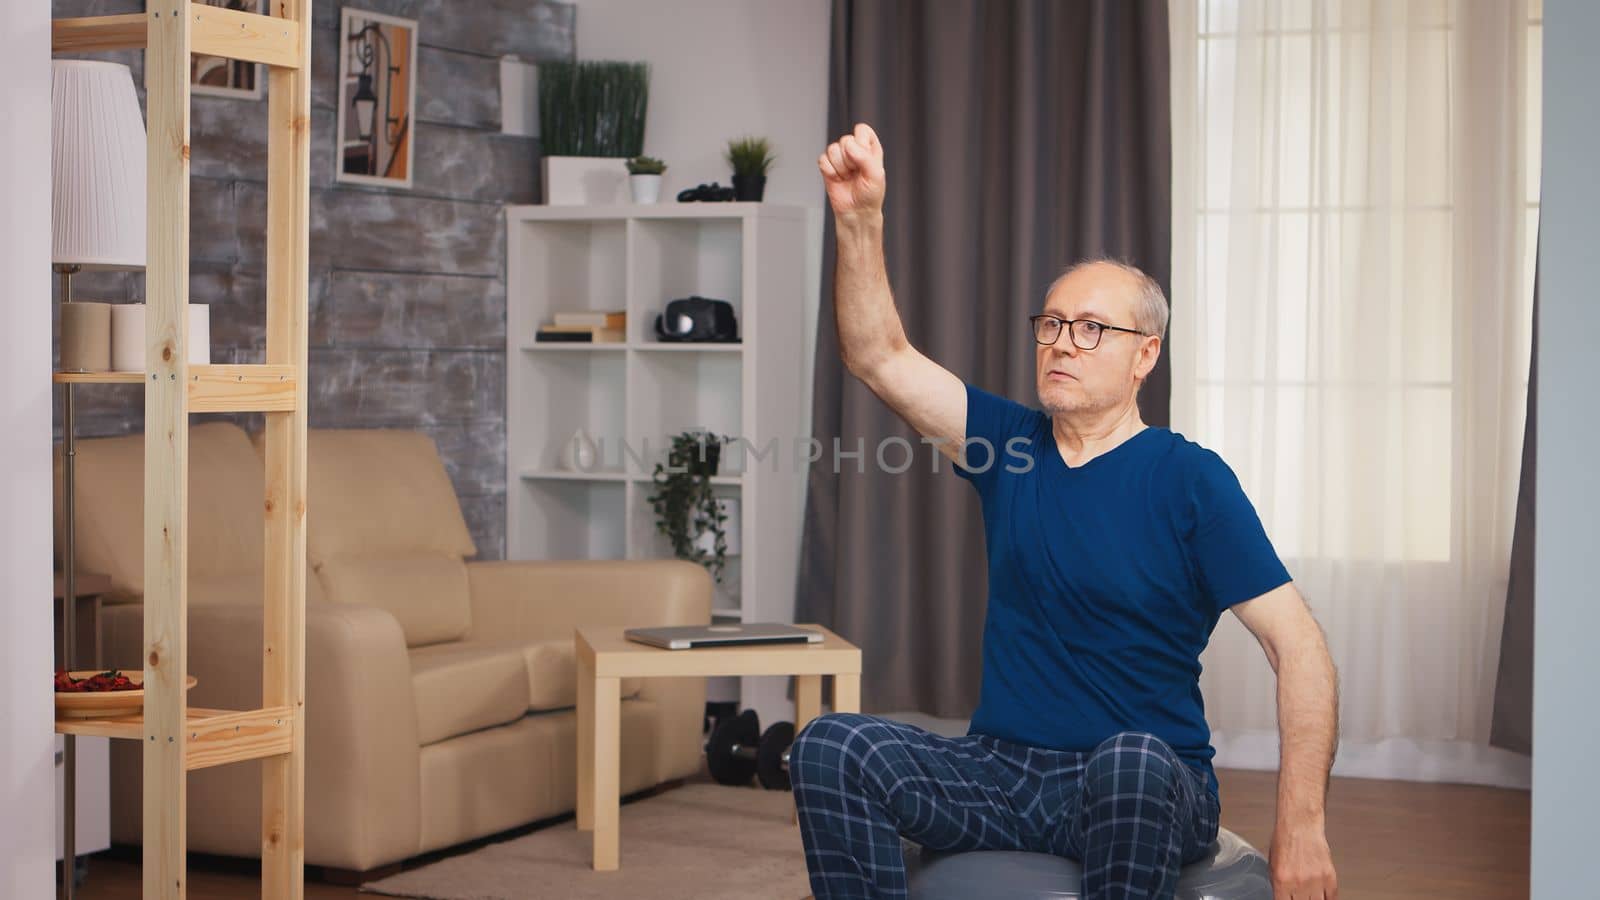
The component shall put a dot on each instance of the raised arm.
(871, 340)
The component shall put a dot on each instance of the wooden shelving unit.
(178, 738)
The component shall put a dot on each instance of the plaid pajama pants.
(1131, 810)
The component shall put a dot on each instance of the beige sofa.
(439, 692)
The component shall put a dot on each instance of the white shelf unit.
(92, 824)
(639, 393)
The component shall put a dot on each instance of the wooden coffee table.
(605, 657)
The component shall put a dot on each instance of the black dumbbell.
(772, 757)
(737, 750)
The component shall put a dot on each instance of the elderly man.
(1114, 548)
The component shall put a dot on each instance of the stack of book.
(586, 326)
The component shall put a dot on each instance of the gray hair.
(1150, 309)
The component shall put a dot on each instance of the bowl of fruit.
(101, 694)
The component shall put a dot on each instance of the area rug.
(697, 842)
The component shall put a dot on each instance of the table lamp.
(97, 211)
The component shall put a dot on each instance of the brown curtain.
(1018, 137)
(1512, 724)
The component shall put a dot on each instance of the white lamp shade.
(97, 166)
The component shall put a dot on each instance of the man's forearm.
(1308, 731)
(864, 309)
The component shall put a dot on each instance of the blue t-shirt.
(1105, 581)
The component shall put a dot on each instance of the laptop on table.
(688, 637)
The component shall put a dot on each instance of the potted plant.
(644, 178)
(750, 157)
(685, 507)
(591, 121)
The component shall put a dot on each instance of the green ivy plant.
(684, 503)
(646, 165)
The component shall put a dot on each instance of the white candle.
(127, 336)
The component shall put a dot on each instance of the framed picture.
(377, 98)
(223, 77)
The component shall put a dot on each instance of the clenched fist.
(852, 171)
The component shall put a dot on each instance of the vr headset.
(698, 319)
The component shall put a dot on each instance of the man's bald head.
(1147, 302)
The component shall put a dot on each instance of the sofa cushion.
(376, 492)
(506, 777)
(466, 686)
(226, 537)
(425, 592)
(553, 676)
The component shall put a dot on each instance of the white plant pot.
(706, 541)
(584, 180)
(127, 336)
(646, 188)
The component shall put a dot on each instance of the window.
(1329, 335)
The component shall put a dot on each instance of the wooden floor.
(1391, 840)
(1397, 840)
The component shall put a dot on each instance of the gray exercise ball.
(1232, 870)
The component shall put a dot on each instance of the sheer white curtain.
(1354, 196)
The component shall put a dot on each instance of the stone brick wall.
(407, 287)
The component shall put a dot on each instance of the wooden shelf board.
(97, 377)
(252, 388)
(251, 37)
(127, 727)
(238, 736)
(214, 31)
(217, 388)
(91, 33)
(216, 736)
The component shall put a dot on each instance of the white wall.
(1566, 668)
(722, 69)
(27, 849)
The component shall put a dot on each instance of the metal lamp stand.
(69, 637)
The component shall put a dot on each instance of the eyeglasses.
(1086, 333)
